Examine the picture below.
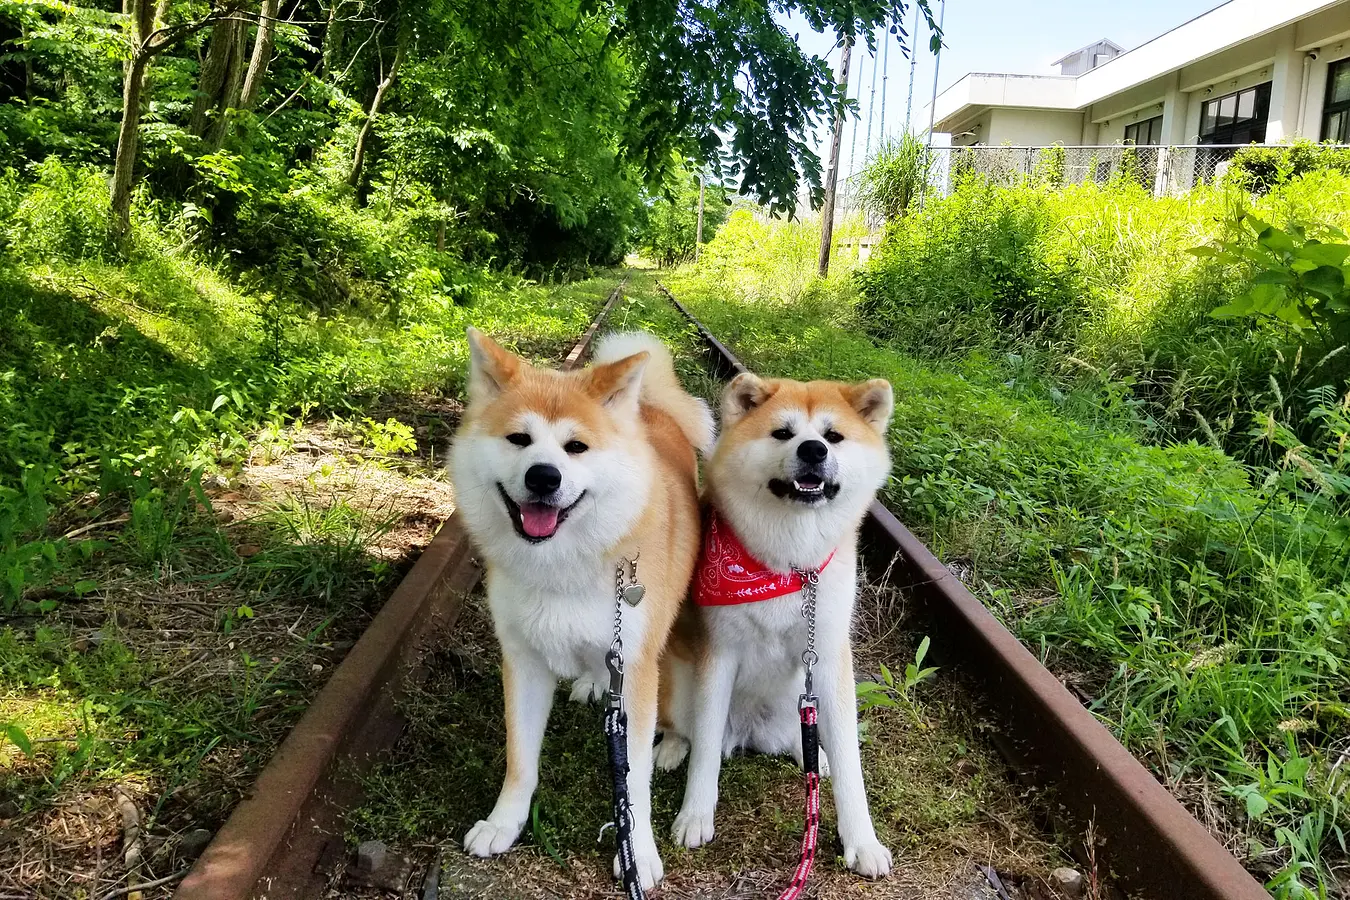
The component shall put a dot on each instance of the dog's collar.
(728, 574)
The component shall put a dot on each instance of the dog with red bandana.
(795, 468)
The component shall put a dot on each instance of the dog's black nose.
(543, 479)
(812, 451)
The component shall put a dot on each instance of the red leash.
(810, 763)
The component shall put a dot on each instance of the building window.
(1336, 112)
(1145, 133)
(1239, 118)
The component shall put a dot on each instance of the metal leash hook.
(627, 589)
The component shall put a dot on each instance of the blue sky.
(995, 36)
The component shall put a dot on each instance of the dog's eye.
(782, 434)
(520, 439)
(575, 447)
(833, 436)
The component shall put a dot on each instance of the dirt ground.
(941, 798)
(166, 687)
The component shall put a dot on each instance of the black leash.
(627, 589)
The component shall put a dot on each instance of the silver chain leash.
(627, 589)
(810, 579)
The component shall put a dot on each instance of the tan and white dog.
(560, 476)
(795, 468)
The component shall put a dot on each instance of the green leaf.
(1256, 225)
(1205, 252)
(1326, 282)
(84, 587)
(19, 739)
(1256, 804)
(1266, 298)
(1323, 254)
(886, 676)
(220, 401)
(1275, 239)
(1273, 276)
(922, 651)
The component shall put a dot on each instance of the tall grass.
(122, 376)
(1096, 282)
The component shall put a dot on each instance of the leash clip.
(614, 662)
(806, 701)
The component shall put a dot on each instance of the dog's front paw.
(587, 690)
(488, 839)
(869, 859)
(649, 867)
(693, 828)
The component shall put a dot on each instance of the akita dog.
(795, 468)
(562, 478)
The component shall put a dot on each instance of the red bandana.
(727, 574)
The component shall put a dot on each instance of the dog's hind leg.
(587, 689)
(529, 687)
(672, 750)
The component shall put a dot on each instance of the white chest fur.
(568, 626)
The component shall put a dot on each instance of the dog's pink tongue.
(539, 519)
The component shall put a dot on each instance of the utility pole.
(913, 64)
(932, 108)
(885, 74)
(832, 178)
(853, 149)
(871, 104)
(698, 232)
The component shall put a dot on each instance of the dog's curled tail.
(661, 387)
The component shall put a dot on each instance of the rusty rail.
(285, 835)
(1148, 842)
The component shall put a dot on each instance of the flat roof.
(1219, 29)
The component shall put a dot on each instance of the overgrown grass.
(1095, 286)
(166, 609)
(121, 377)
(1203, 604)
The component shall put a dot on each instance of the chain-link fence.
(1163, 169)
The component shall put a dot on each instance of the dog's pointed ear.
(618, 385)
(874, 401)
(491, 368)
(746, 391)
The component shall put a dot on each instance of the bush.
(64, 213)
(1096, 282)
(1259, 170)
(892, 179)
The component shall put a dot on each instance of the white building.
(1247, 71)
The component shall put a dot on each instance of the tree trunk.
(214, 74)
(359, 157)
(231, 91)
(142, 14)
(133, 89)
(332, 39)
(262, 54)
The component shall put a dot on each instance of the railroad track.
(285, 838)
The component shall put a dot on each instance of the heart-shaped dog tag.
(633, 594)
